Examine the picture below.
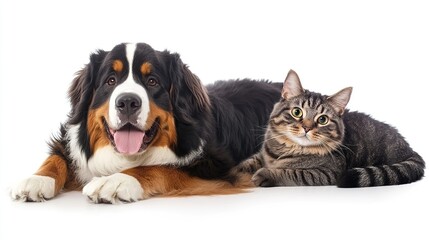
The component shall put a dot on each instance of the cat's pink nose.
(307, 125)
(307, 129)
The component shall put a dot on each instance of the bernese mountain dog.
(141, 124)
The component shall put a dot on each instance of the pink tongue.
(128, 141)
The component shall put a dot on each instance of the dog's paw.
(114, 189)
(262, 178)
(34, 189)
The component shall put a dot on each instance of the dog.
(142, 124)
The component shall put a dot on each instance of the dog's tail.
(171, 182)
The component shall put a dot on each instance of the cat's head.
(308, 119)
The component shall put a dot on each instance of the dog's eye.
(152, 82)
(111, 81)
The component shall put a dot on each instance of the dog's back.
(240, 111)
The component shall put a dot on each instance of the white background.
(381, 48)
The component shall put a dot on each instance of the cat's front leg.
(250, 165)
(264, 177)
(267, 177)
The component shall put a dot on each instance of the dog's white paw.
(34, 189)
(114, 189)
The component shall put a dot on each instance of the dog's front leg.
(45, 184)
(135, 184)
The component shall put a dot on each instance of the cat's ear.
(292, 86)
(340, 99)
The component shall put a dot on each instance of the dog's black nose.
(128, 103)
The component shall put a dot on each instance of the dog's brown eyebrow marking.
(118, 66)
(146, 68)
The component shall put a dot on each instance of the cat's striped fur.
(351, 149)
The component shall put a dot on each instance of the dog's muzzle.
(128, 106)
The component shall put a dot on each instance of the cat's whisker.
(340, 145)
(275, 137)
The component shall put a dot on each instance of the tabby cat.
(311, 139)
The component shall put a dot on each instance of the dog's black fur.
(238, 116)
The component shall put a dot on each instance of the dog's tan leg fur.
(165, 181)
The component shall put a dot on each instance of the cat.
(312, 140)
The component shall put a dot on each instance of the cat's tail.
(410, 170)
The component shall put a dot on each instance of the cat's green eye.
(323, 120)
(296, 112)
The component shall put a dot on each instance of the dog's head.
(135, 98)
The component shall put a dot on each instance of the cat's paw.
(262, 178)
(34, 189)
(250, 165)
(113, 189)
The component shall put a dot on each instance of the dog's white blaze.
(129, 86)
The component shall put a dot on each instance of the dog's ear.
(82, 87)
(197, 90)
(191, 105)
(188, 95)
